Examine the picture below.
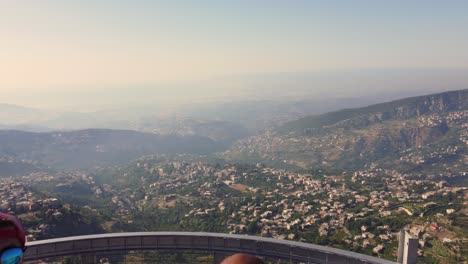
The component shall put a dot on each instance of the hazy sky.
(62, 49)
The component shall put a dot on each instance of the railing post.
(218, 257)
(407, 248)
(88, 258)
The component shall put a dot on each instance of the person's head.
(242, 259)
(12, 240)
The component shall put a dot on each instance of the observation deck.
(95, 248)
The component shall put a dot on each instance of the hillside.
(94, 147)
(400, 109)
(12, 167)
(353, 138)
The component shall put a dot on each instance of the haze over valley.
(337, 124)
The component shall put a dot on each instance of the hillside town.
(362, 210)
(352, 145)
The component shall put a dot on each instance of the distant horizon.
(65, 53)
(253, 87)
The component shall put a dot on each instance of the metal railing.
(89, 246)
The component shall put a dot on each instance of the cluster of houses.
(17, 198)
(282, 204)
(452, 118)
(301, 202)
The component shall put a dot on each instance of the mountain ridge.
(94, 147)
(446, 101)
(352, 138)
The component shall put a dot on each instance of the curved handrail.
(213, 242)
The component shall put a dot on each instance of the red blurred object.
(18, 233)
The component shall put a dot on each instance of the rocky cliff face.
(384, 141)
(407, 109)
(418, 136)
(438, 103)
